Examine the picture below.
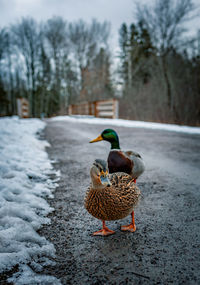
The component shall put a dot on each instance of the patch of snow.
(129, 124)
(28, 276)
(24, 183)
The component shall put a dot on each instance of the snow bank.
(24, 182)
(129, 124)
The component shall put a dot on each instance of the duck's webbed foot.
(131, 227)
(104, 232)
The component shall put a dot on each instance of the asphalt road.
(165, 247)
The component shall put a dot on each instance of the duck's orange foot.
(130, 228)
(104, 232)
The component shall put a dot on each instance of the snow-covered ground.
(129, 124)
(24, 183)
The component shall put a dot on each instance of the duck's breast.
(107, 204)
(119, 162)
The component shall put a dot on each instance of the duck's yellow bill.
(99, 138)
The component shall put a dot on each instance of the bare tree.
(26, 39)
(87, 40)
(5, 103)
(43, 76)
(165, 22)
(2, 42)
(96, 79)
(10, 87)
(57, 47)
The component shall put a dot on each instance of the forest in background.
(57, 63)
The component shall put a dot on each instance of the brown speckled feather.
(114, 202)
(119, 162)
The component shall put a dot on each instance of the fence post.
(116, 109)
(23, 108)
(70, 110)
(95, 109)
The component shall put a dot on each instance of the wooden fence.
(100, 109)
(22, 108)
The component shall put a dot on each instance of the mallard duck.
(129, 162)
(109, 198)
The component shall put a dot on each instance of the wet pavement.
(165, 247)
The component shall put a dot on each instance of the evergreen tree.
(124, 53)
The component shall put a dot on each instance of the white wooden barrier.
(22, 108)
(100, 109)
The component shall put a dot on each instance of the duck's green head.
(110, 136)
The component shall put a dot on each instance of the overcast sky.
(114, 11)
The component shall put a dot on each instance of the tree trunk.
(170, 101)
(168, 86)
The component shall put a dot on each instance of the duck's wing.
(131, 153)
(138, 163)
